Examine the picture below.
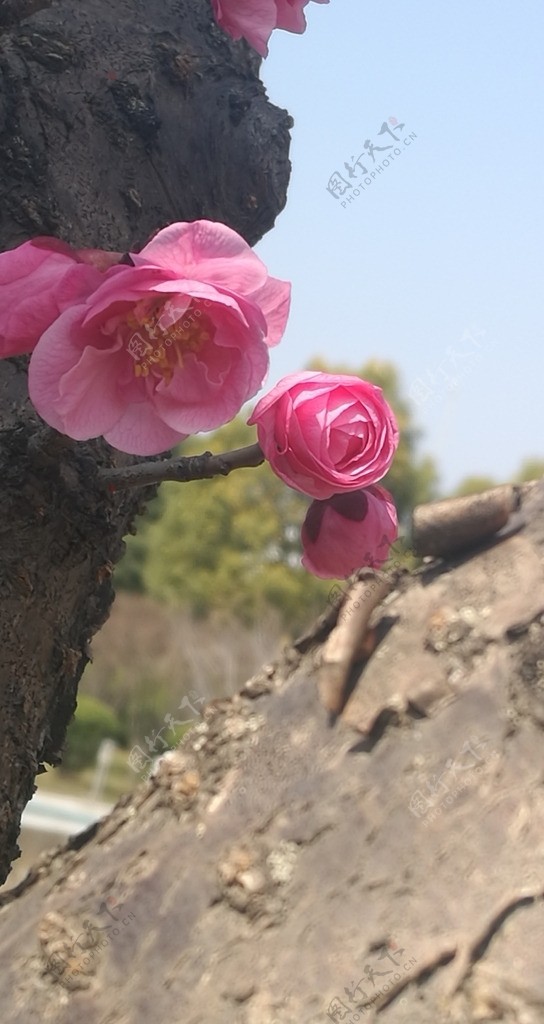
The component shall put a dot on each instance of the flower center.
(160, 336)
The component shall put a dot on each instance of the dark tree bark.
(275, 862)
(115, 119)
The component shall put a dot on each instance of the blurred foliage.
(149, 655)
(530, 469)
(94, 721)
(234, 543)
(129, 571)
(118, 780)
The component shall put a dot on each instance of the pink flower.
(38, 281)
(349, 531)
(169, 346)
(255, 20)
(323, 433)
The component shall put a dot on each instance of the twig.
(190, 467)
(473, 949)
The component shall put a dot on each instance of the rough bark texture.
(115, 119)
(275, 862)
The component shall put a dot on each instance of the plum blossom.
(148, 349)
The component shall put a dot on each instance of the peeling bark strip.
(115, 119)
(442, 528)
(347, 640)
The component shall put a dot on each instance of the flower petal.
(254, 21)
(73, 386)
(38, 280)
(212, 386)
(207, 251)
(274, 298)
(141, 431)
(290, 15)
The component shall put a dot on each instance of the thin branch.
(190, 467)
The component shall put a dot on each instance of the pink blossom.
(38, 281)
(349, 531)
(169, 346)
(324, 433)
(255, 20)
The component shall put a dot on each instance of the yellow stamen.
(162, 347)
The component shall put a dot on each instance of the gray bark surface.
(115, 119)
(275, 862)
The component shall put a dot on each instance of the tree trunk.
(278, 870)
(115, 119)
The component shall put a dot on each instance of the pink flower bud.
(324, 433)
(349, 531)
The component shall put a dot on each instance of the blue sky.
(437, 264)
